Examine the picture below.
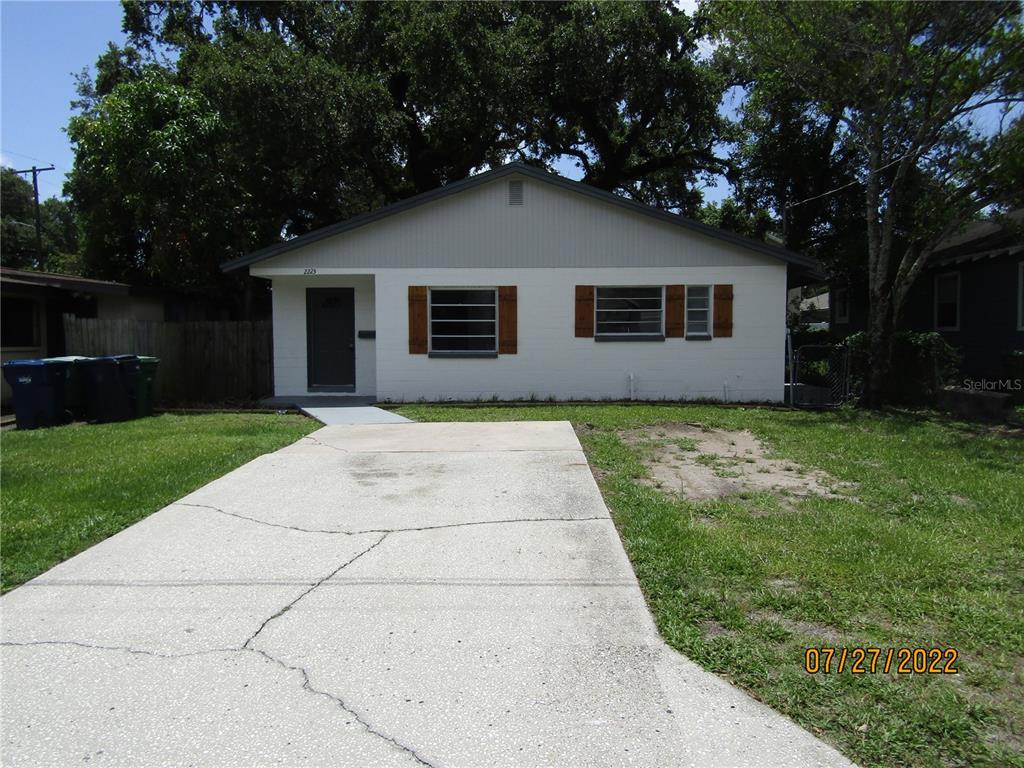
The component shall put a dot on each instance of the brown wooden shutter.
(584, 311)
(417, 319)
(723, 311)
(507, 320)
(675, 311)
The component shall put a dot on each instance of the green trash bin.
(144, 385)
(76, 390)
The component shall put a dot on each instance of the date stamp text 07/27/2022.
(868, 660)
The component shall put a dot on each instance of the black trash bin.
(107, 395)
(144, 385)
(38, 387)
(76, 389)
(131, 372)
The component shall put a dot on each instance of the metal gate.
(819, 376)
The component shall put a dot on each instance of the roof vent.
(515, 193)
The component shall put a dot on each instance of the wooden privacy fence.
(200, 362)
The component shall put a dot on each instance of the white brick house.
(518, 283)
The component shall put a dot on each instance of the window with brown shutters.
(463, 322)
(641, 313)
(723, 311)
(629, 313)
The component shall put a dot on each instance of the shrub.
(923, 362)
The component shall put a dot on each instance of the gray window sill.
(698, 337)
(463, 353)
(631, 337)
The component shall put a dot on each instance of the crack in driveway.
(122, 648)
(312, 587)
(359, 718)
(365, 531)
(306, 684)
(247, 647)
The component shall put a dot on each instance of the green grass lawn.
(927, 552)
(66, 488)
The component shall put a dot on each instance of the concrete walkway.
(337, 409)
(353, 414)
(388, 595)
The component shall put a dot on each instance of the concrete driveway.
(395, 594)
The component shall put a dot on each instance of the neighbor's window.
(629, 312)
(947, 301)
(19, 323)
(841, 296)
(463, 320)
(698, 311)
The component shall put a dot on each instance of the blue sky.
(43, 45)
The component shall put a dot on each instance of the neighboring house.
(518, 283)
(810, 304)
(972, 293)
(33, 305)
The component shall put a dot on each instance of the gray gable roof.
(790, 257)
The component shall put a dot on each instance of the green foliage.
(732, 216)
(787, 154)
(622, 90)
(142, 215)
(17, 217)
(268, 120)
(925, 363)
(891, 97)
(18, 223)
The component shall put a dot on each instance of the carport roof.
(806, 263)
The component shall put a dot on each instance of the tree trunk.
(880, 333)
(880, 323)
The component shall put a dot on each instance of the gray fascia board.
(790, 257)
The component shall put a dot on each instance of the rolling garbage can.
(128, 366)
(107, 395)
(130, 371)
(144, 385)
(76, 388)
(38, 387)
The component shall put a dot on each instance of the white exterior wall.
(552, 362)
(556, 240)
(554, 227)
(289, 317)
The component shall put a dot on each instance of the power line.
(27, 157)
(849, 184)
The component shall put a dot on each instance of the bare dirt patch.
(713, 629)
(813, 628)
(700, 463)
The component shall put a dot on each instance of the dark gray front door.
(331, 338)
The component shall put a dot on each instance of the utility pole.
(39, 222)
